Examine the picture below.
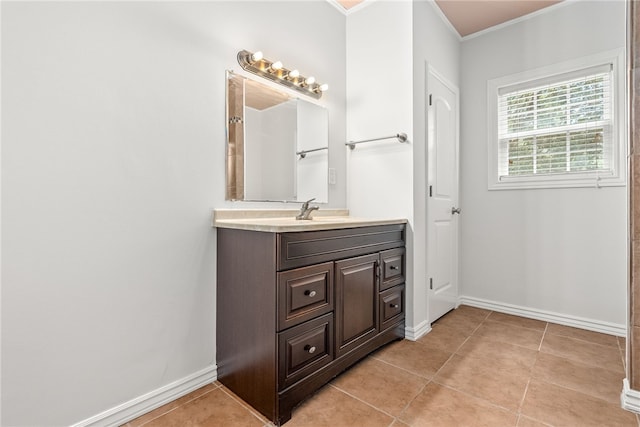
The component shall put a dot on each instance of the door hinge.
(430, 98)
(430, 282)
(431, 191)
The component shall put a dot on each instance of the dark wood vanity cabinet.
(296, 309)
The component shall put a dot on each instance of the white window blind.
(561, 124)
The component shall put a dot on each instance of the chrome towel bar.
(402, 137)
(303, 153)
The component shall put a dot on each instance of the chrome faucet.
(305, 210)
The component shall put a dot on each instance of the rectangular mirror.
(277, 144)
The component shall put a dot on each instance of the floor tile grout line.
(454, 353)
(519, 326)
(463, 330)
(178, 406)
(511, 325)
(435, 380)
(583, 340)
(581, 391)
(466, 393)
(579, 362)
(493, 340)
(544, 333)
(623, 354)
(412, 400)
(401, 368)
(430, 380)
(504, 323)
(524, 395)
(360, 400)
(583, 362)
(160, 416)
(575, 391)
(469, 318)
(544, 423)
(556, 334)
(478, 327)
(462, 313)
(245, 405)
(495, 405)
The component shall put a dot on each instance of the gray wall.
(436, 44)
(113, 153)
(387, 178)
(556, 250)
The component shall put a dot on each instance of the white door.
(442, 198)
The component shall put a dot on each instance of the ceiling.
(471, 16)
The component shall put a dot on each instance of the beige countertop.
(281, 221)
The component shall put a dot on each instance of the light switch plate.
(332, 176)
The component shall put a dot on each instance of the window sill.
(555, 182)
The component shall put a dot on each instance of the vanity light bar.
(276, 72)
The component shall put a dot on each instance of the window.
(557, 127)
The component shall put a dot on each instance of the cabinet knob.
(310, 293)
(310, 349)
(393, 267)
(393, 305)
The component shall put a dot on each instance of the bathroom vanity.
(298, 302)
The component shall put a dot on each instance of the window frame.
(531, 79)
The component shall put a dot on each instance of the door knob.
(456, 211)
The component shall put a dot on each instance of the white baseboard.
(547, 316)
(147, 402)
(414, 334)
(630, 399)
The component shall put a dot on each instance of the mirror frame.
(235, 160)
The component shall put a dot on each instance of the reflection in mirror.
(277, 144)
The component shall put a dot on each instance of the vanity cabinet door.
(356, 301)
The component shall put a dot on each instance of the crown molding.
(354, 9)
(338, 6)
(444, 19)
(523, 18)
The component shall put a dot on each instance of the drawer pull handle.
(310, 293)
(393, 305)
(310, 349)
(393, 267)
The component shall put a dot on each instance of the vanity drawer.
(297, 249)
(391, 306)
(304, 293)
(392, 268)
(305, 348)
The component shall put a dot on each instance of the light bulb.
(256, 56)
(324, 87)
(310, 80)
(294, 74)
(276, 65)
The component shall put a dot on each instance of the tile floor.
(475, 368)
